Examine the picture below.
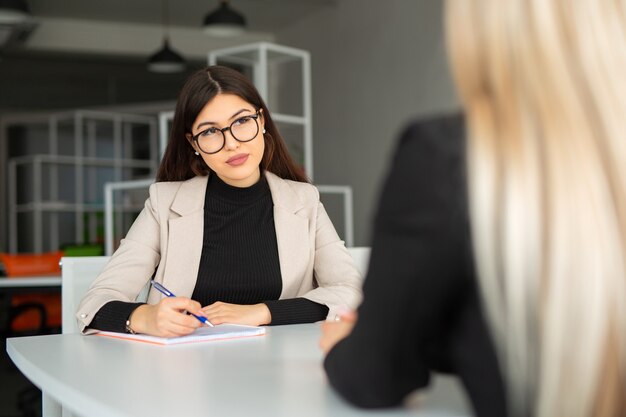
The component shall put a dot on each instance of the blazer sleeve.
(131, 266)
(335, 273)
(417, 273)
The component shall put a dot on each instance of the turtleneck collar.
(218, 188)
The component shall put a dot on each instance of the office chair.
(77, 274)
(361, 256)
(32, 312)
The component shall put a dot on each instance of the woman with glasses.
(232, 227)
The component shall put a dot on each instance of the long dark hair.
(179, 161)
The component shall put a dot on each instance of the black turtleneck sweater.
(239, 262)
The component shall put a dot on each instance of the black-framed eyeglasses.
(213, 139)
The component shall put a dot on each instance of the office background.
(375, 66)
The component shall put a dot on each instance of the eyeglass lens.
(243, 129)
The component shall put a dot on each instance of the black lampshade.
(224, 21)
(14, 12)
(166, 60)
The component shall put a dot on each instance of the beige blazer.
(167, 238)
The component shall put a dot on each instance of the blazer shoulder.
(307, 192)
(292, 193)
(165, 189)
(167, 186)
(439, 134)
(181, 196)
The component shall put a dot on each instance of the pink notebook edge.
(124, 336)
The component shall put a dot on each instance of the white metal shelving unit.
(41, 172)
(262, 62)
(257, 59)
(348, 210)
(165, 118)
(110, 229)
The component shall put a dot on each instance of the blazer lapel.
(186, 229)
(292, 233)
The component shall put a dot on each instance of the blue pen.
(167, 292)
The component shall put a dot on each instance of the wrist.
(128, 327)
(134, 323)
(265, 314)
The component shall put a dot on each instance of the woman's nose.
(230, 141)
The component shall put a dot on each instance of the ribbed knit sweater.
(239, 262)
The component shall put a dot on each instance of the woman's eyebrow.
(231, 118)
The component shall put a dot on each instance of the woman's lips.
(237, 159)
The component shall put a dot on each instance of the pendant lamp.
(224, 21)
(13, 12)
(166, 60)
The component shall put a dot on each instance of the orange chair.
(33, 312)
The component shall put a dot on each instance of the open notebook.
(201, 334)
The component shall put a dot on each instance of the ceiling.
(262, 15)
(138, 25)
(95, 69)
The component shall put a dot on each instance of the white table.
(279, 374)
(31, 282)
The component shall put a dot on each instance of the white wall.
(376, 65)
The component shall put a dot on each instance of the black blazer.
(421, 310)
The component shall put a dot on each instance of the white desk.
(279, 374)
(31, 282)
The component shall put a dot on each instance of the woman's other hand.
(252, 315)
(334, 331)
(168, 318)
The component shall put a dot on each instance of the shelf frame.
(84, 138)
(261, 52)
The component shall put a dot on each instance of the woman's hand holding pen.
(252, 315)
(168, 318)
(334, 331)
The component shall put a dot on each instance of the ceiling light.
(166, 60)
(14, 12)
(224, 21)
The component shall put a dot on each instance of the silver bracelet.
(128, 328)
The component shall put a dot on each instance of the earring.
(196, 152)
(263, 131)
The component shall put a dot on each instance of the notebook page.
(201, 334)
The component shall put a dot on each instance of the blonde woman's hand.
(252, 315)
(334, 331)
(168, 318)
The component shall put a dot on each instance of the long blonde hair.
(543, 85)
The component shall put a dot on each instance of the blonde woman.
(543, 88)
